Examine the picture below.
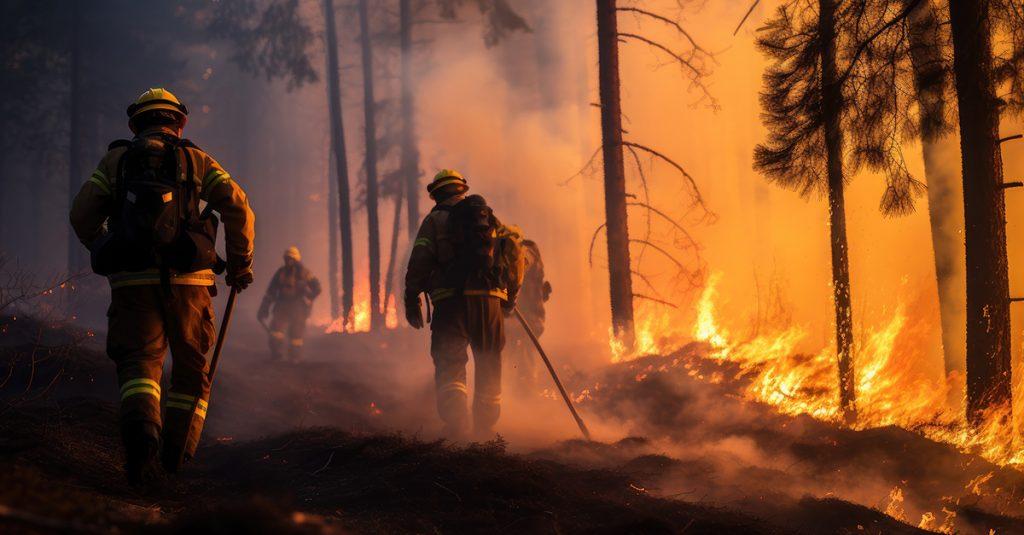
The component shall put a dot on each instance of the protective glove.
(413, 312)
(239, 279)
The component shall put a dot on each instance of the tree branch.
(660, 250)
(668, 21)
(744, 19)
(867, 42)
(697, 73)
(654, 299)
(674, 223)
(645, 280)
(698, 199)
(593, 240)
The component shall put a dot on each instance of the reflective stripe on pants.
(461, 323)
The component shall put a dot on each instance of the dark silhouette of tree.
(370, 135)
(803, 108)
(613, 146)
(988, 299)
(616, 225)
(341, 163)
(410, 167)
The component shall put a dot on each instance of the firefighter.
(139, 216)
(291, 292)
(534, 293)
(468, 302)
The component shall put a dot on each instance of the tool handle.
(554, 376)
(224, 322)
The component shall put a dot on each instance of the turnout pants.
(460, 322)
(143, 322)
(288, 328)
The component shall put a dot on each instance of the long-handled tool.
(551, 369)
(222, 334)
(225, 321)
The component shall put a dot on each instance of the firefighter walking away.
(291, 293)
(139, 215)
(533, 295)
(470, 266)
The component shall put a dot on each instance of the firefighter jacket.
(292, 284)
(535, 290)
(432, 252)
(95, 203)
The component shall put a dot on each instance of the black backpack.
(474, 234)
(156, 221)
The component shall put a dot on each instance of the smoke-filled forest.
(512, 266)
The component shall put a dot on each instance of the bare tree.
(410, 152)
(340, 162)
(370, 131)
(617, 229)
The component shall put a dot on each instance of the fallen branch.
(328, 463)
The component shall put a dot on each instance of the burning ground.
(345, 442)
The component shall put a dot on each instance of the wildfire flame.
(891, 388)
(359, 319)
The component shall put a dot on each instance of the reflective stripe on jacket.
(94, 204)
(432, 251)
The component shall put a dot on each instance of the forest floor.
(347, 441)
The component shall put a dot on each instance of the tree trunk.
(988, 314)
(832, 109)
(389, 274)
(75, 178)
(341, 161)
(332, 246)
(410, 153)
(370, 132)
(620, 283)
(945, 214)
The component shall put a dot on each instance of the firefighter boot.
(141, 443)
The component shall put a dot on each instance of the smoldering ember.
(512, 266)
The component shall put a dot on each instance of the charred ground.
(698, 458)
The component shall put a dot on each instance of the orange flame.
(891, 387)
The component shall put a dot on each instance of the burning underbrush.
(756, 425)
(708, 453)
(892, 387)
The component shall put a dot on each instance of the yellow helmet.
(156, 98)
(445, 177)
(293, 253)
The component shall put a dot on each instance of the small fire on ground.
(890, 389)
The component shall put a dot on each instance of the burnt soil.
(269, 462)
